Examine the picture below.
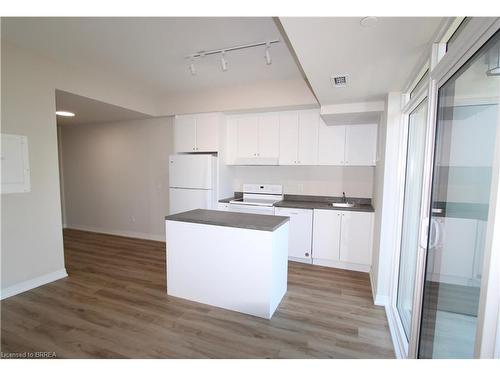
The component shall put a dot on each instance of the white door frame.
(416, 100)
(473, 36)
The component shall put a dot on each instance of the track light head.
(267, 55)
(223, 61)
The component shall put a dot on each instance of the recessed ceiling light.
(368, 21)
(65, 113)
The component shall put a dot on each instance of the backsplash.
(309, 180)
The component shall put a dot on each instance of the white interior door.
(289, 138)
(185, 133)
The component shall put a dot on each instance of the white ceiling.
(378, 59)
(151, 51)
(90, 111)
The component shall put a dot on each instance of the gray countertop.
(317, 202)
(267, 223)
(322, 206)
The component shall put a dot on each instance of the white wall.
(386, 206)
(116, 176)
(309, 180)
(32, 246)
(378, 189)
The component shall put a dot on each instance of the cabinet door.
(308, 137)
(185, 133)
(356, 237)
(269, 130)
(454, 253)
(289, 138)
(231, 140)
(207, 130)
(326, 234)
(248, 136)
(361, 144)
(331, 144)
(223, 206)
(300, 231)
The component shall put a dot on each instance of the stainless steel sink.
(342, 205)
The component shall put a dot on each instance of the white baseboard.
(33, 283)
(300, 260)
(341, 265)
(378, 299)
(123, 233)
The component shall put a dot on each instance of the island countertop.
(267, 223)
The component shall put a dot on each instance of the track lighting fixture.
(268, 54)
(223, 51)
(223, 62)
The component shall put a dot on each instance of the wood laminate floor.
(114, 304)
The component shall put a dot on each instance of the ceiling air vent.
(339, 81)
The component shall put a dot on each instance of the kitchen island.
(231, 260)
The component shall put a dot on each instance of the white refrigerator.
(192, 182)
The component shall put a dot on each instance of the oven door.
(250, 209)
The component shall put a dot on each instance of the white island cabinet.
(231, 260)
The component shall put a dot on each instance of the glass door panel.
(467, 122)
(411, 213)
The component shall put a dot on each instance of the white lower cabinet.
(326, 234)
(356, 237)
(343, 239)
(300, 232)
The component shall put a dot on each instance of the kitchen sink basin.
(343, 205)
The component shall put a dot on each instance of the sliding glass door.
(467, 122)
(411, 213)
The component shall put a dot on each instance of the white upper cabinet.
(257, 138)
(308, 137)
(248, 137)
(185, 133)
(298, 138)
(269, 132)
(288, 138)
(361, 144)
(207, 139)
(356, 237)
(331, 144)
(196, 133)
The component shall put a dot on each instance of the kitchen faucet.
(344, 199)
